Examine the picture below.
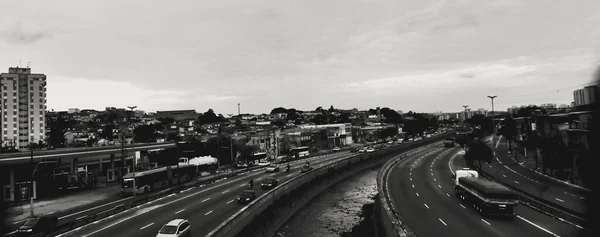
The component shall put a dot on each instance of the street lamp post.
(132, 147)
(493, 122)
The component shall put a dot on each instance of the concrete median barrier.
(265, 215)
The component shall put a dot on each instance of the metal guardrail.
(392, 221)
(234, 224)
(541, 205)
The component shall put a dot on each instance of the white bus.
(299, 152)
(156, 179)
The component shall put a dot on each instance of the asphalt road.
(205, 207)
(423, 193)
(506, 169)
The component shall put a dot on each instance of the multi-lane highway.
(205, 207)
(422, 191)
(506, 169)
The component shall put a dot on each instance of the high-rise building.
(23, 107)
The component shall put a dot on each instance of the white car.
(272, 168)
(177, 227)
(361, 150)
(336, 149)
(370, 149)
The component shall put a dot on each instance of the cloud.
(17, 34)
(98, 94)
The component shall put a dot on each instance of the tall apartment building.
(23, 107)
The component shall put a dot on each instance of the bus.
(156, 179)
(204, 164)
(488, 198)
(299, 152)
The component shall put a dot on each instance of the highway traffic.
(205, 207)
(423, 192)
(507, 170)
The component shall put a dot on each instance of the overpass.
(104, 163)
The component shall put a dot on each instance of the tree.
(479, 151)
(292, 114)
(145, 133)
(58, 127)
(107, 132)
(331, 109)
(279, 123)
(279, 110)
(319, 109)
(209, 117)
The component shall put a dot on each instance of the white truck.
(487, 197)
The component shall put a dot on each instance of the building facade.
(23, 107)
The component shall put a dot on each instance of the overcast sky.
(426, 55)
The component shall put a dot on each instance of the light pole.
(493, 123)
(132, 147)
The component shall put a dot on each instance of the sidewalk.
(63, 203)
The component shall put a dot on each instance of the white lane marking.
(435, 180)
(503, 175)
(413, 186)
(485, 222)
(417, 194)
(516, 182)
(447, 194)
(230, 202)
(177, 212)
(536, 225)
(146, 226)
(463, 206)
(205, 200)
(208, 213)
(497, 143)
(431, 173)
(442, 221)
(410, 173)
(259, 179)
(242, 185)
(426, 206)
(289, 175)
(560, 200)
(96, 207)
(81, 217)
(225, 191)
(439, 186)
(578, 226)
(410, 178)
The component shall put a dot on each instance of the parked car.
(269, 183)
(272, 168)
(176, 228)
(370, 149)
(354, 150)
(246, 196)
(336, 149)
(363, 149)
(38, 225)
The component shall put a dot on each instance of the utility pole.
(239, 109)
(132, 147)
(493, 122)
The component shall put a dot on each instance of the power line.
(550, 91)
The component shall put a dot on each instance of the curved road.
(506, 169)
(423, 192)
(205, 207)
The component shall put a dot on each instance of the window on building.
(41, 112)
(5, 132)
(31, 112)
(14, 106)
(5, 94)
(41, 131)
(5, 126)
(14, 100)
(14, 125)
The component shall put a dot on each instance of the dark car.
(247, 196)
(354, 150)
(38, 225)
(269, 183)
(306, 168)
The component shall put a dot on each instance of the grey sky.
(427, 55)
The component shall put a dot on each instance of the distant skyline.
(424, 56)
